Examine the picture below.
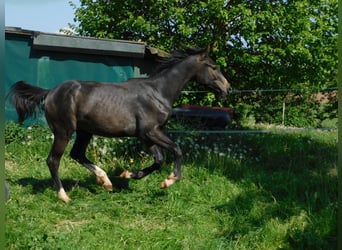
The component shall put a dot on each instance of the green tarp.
(48, 68)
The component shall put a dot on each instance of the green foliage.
(258, 44)
(238, 192)
(14, 133)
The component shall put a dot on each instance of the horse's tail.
(27, 99)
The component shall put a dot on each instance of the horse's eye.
(213, 66)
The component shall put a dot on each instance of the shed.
(46, 59)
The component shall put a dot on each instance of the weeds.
(260, 191)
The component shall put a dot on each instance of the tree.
(258, 44)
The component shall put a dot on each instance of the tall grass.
(259, 191)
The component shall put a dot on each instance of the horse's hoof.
(63, 196)
(108, 187)
(126, 174)
(171, 179)
(67, 200)
(167, 183)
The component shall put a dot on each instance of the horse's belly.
(109, 126)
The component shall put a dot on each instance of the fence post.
(283, 117)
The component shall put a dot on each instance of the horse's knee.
(157, 155)
(178, 152)
(51, 162)
(159, 159)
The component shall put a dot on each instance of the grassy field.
(255, 191)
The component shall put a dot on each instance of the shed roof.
(80, 44)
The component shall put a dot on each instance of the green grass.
(259, 191)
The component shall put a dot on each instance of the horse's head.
(209, 74)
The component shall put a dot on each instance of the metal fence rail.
(255, 131)
(264, 90)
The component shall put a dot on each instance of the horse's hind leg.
(138, 174)
(78, 153)
(57, 150)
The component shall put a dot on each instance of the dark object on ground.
(209, 117)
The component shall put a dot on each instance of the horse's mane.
(177, 56)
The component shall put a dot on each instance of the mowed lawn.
(239, 191)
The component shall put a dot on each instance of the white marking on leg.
(101, 176)
(171, 179)
(126, 174)
(63, 196)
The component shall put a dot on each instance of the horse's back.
(99, 108)
(109, 109)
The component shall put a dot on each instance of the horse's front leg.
(138, 174)
(160, 139)
(176, 175)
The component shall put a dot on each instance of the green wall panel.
(47, 69)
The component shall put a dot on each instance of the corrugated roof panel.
(87, 45)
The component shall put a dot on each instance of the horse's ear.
(205, 52)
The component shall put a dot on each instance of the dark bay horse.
(139, 107)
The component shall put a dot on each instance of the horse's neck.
(174, 80)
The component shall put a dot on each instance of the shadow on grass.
(294, 182)
(89, 183)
